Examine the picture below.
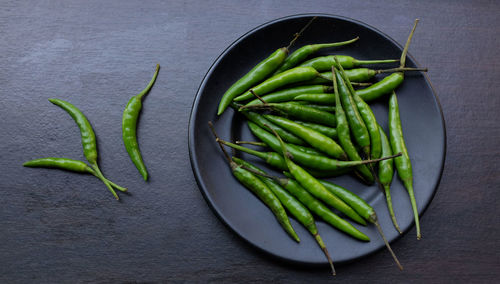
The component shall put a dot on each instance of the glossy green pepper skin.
(129, 127)
(260, 72)
(403, 163)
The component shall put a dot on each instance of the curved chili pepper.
(344, 136)
(68, 165)
(88, 138)
(260, 189)
(368, 118)
(302, 53)
(257, 74)
(315, 187)
(293, 206)
(385, 175)
(294, 75)
(309, 160)
(276, 160)
(403, 163)
(321, 210)
(299, 112)
(356, 123)
(325, 63)
(286, 95)
(260, 120)
(314, 138)
(129, 126)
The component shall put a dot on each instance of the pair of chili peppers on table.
(338, 140)
(129, 125)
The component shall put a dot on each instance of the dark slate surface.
(62, 227)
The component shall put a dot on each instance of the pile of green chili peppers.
(317, 125)
(89, 142)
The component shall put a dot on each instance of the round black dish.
(423, 127)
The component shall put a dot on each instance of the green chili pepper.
(276, 160)
(302, 53)
(391, 82)
(69, 165)
(309, 160)
(286, 95)
(344, 137)
(359, 75)
(325, 63)
(255, 185)
(314, 138)
(299, 112)
(327, 99)
(385, 175)
(363, 209)
(368, 118)
(294, 75)
(323, 108)
(356, 123)
(293, 206)
(321, 210)
(403, 163)
(328, 131)
(260, 120)
(129, 126)
(88, 138)
(257, 74)
(314, 186)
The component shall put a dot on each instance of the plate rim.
(196, 170)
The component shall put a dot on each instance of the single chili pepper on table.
(293, 206)
(325, 63)
(68, 165)
(259, 188)
(88, 138)
(129, 126)
(385, 175)
(403, 163)
(391, 82)
(344, 136)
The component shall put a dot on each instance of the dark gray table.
(62, 227)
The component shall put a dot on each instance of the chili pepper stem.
(400, 69)
(407, 45)
(360, 62)
(150, 84)
(104, 180)
(120, 188)
(261, 144)
(297, 35)
(379, 228)
(325, 251)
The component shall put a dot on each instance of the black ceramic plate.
(421, 116)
